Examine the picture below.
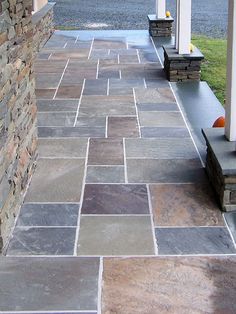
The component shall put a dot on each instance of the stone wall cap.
(36, 17)
(173, 54)
(224, 151)
(153, 18)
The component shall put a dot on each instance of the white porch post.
(177, 25)
(230, 109)
(161, 9)
(184, 26)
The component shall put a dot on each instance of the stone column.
(230, 108)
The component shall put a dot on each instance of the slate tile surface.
(42, 241)
(116, 235)
(230, 218)
(162, 132)
(45, 105)
(45, 93)
(185, 205)
(47, 132)
(123, 127)
(157, 107)
(48, 284)
(56, 118)
(205, 240)
(115, 199)
(105, 174)
(161, 119)
(69, 92)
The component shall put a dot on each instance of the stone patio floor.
(119, 216)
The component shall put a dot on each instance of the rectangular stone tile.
(124, 87)
(161, 119)
(95, 87)
(230, 218)
(165, 171)
(162, 132)
(123, 127)
(43, 56)
(110, 43)
(105, 152)
(124, 59)
(47, 132)
(62, 148)
(50, 66)
(56, 118)
(115, 235)
(205, 240)
(49, 284)
(45, 93)
(154, 95)
(56, 180)
(185, 205)
(84, 121)
(81, 53)
(148, 56)
(158, 107)
(48, 81)
(78, 75)
(105, 174)
(115, 199)
(42, 241)
(159, 82)
(104, 73)
(166, 148)
(69, 92)
(99, 54)
(53, 105)
(169, 285)
(46, 214)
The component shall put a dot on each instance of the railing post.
(184, 26)
(177, 25)
(161, 9)
(230, 108)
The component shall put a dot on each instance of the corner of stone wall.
(18, 132)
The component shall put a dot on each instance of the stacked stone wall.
(18, 134)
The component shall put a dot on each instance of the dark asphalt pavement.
(209, 17)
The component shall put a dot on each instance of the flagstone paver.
(117, 175)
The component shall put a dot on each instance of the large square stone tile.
(165, 171)
(185, 205)
(56, 180)
(123, 127)
(60, 147)
(117, 235)
(42, 241)
(48, 284)
(154, 95)
(184, 241)
(169, 285)
(115, 199)
(161, 119)
(105, 174)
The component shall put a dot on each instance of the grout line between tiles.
(139, 61)
(90, 51)
(152, 221)
(144, 81)
(61, 78)
(81, 200)
(137, 115)
(120, 74)
(49, 56)
(108, 86)
(100, 275)
(115, 215)
(106, 135)
(188, 227)
(125, 163)
(65, 45)
(118, 58)
(97, 69)
(229, 230)
(45, 227)
(77, 38)
(79, 103)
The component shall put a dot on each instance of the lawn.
(214, 65)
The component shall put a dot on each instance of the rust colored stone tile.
(185, 205)
(123, 127)
(72, 92)
(105, 152)
(45, 93)
(169, 285)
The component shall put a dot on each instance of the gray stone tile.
(167, 148)
(48, 284)
(124, 87)
(45, 132)
(158, 107)
(205, 240)
(122, 127)
(42, 241)
(154, 95)
(115, 236)
(230, 218)
(101, 199)
(56, 118)
(95, 87)
(48, 214)
(161, 119)
(90, 121)
(69, 91)
(51, 80)
(162, 132)
(44, 93)
(105, 174)
(45, 105)
(56, 180)
(157, 83)
(165, 171)
(65, 148)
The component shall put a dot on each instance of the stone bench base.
(182, 67)
(221, 167)
(160, 27)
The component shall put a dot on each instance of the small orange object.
(219, 123)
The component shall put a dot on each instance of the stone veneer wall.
(43, 26)
(18, 135)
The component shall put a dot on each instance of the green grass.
(214, 65)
